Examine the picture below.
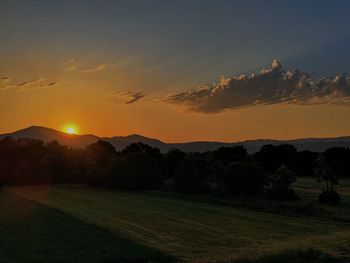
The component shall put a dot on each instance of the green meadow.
(79, 224)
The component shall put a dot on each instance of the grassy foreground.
(188, 230)
(34, 233)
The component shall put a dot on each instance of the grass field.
(308, 188)
(33, 233)
(188, 230)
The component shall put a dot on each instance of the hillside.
(120, 142)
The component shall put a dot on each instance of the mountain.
(47, 135)
(120, 142)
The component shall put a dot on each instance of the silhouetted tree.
(98, 155)
(327, 180)
(228, 155)
(271, 157)
(100, 150)
(280, 182)
(304, 163)
(138, 171)
(338, 159)
(191, 177)
(245, 179)
(173, 158)
(143, 148)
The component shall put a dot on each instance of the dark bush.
(244, 179)
(227, 155)
(279, 185)
(338, 159)
(287, 195)
(173, 159)
(137, 171)
(143, 148)
(329, 197)
(271, 157)
(325, 174)
(304, 163)
(191, 177)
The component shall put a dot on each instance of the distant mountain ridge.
(120, 142)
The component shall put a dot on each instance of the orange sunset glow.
(131, 82)
(71, 129)
(175, 131)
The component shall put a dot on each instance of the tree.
(280, 183)
(173, 158)
(338, 159)
(143, 148)
(97, 156)
(191, 177)
(100, 150)
(228, 155)
(271, 157)
(244, 179)
(304, 164)
(136, 171)
(327, 181)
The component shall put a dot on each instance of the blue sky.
(223, 37)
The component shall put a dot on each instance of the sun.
(70, 129)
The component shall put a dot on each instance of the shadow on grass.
(295, 256)
(34, 233)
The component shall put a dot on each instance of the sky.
(177, 70)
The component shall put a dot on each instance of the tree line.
(269, 172)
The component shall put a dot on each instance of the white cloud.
(271, 86)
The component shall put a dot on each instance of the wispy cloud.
(71, 65)
(127, 97)
(135, 97)
(28, 83)
(75, 65)
(270, 86)
(39, 83)
(96, 69)
(4, 78)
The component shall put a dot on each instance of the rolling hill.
(120, 142)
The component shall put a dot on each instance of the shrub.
(329, 197)
(191, 177)
(137, 171)
(327, 180)
(173, 159)
(244, 179)
(280, 183)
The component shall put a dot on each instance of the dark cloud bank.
(270, 86)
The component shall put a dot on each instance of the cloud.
(74, 65)
(38, 83)
(270, 86)
(96, 69)
(127, 97)
(27, 83)
(135, 97)
(71, 65)
(4, 78)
